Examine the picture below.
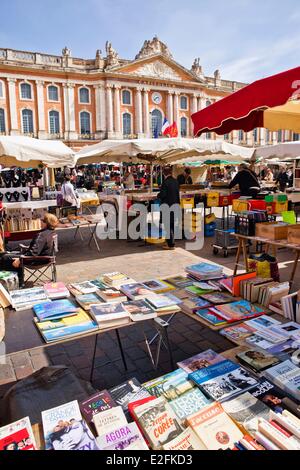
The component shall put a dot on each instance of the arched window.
(126, 124)
(183, 127)
(1, 89)
(2, 121)
(241, 136)
(54, 122)
(126, 97)
(84, 95)
(208, 103)
(26, 91)
(255, 135)
(156, 122)
(85, 123)
(226, 136)
(267, 135)
(296, 137)
(183, 102)
(52, 93)
(27, 121)
(208, 135)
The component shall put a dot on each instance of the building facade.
(83, 101)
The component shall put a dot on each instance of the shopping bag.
(266, 266)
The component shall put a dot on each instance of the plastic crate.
(225, 224)
(225, 238)
(212, 199)
(209, 229)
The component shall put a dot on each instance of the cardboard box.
(271, 230)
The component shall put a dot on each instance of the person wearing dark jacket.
(169, 195)
(246, 180)
(185, 177)
(282, 179)
(42, 243)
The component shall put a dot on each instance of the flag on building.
(173, 130)
(165, 127)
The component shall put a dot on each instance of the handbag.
(47, 388)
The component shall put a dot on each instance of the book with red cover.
(232, 284)
(131, 408)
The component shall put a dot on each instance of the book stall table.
(274, 244)
(90, 221)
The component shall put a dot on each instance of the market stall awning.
(245, 109)
(283, 151)
(27, 152)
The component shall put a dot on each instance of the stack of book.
(289, 306)
(24, 299)
(111, 294)
(203, 271)
(158, 286)
(56, 290)
(162, 303)
(109, 315)
(236, 311)
(86, 287)
(279, 431)
(116, 279)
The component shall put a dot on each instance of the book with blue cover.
(210, 317)
(189, 403)
(55, 309)
(223, 380)
(171, 385)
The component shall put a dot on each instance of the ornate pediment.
(153, 47)
(156, 69)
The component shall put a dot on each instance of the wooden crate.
(294, 234)
(271, 230)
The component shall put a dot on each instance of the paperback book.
(204, 271)
(286, 376)
(26, 298)
(257, 360)
(200, 361)
(109, 314)
(211, 317)
(240, 310)
(223, 380)
(180, 282)
(237, 332)
(187, 440)
(99, 402)
(139, 310)
(269, 394)
(192, 304)
(158, 286)
(189, 403)
(86, 300)
(161, 303)
(170, 386)
(55, 309)
(56, 290)
(17, 436)
(135, 291)
(64, 429)
(127, 437)
(111, 294)
(85, 287)
(127, 392)
(218, 298)
(109, 420)
(116, 279)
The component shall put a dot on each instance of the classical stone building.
(84, 100)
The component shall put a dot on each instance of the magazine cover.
(223, 380)
(64, 429)
(170, 386)
(17, 436)
(201, 360)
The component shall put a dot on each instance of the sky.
(244, 39)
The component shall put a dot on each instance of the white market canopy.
(29, 152)
(163, 150)
(283, 151)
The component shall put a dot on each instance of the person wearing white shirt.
(68, 193)
(129, 180)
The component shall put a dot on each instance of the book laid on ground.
(187, 440)
(26, 298)
(240, 310)
(201, 360)
(111, 294)
(55, 309)
(211, 317)
(188, 403)
(135, 291)
(214, 427)
(223, 380)
(127, 437)
(64, 429)
(192, 304)
(128, 392)
(158, 422)
(85, 287)
(286, 376)
(86, 300)
(245, 411)
(158, 286)
(237, 332)
(139, 310)
(109, 314)
(56, 290)
(108, 420)
(17, 436)
(257, 360)
(170, 386)
(67, 327)
(99, 402)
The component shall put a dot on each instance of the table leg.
(238, 255)
(93, 360)
(121, 349)
(294, 268)
(245, 255)
(93, 237)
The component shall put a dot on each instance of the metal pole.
(151, 177)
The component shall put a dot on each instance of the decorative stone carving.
(155, 46)
(112, 57)
(157, 69)
(217, 75)
(98, 54)
(197, 68)
(66, 52)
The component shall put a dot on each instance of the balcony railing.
(87, 136)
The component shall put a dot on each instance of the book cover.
(245, 410)
(223, 380)
(127, 437)
(180, 282)
(257, 360)
(170, 386)
(158, 286)
(269, 394)
(159, 301)
(139, 310)
(203, 269)
(237, 332)
(26, 298)
(135, 291)
(64, 429)
(127, 392)
(85, 287)
(55, 290)
(54, 309)
(215, 428)
(240, 310)
(192, 304)
(86, 300)
(174, 299)
(262, 322)
(112, 294)
(218, 298)
(17, 436)
(210, 317)
(286, 350)
(195, 290)
(201, 360)
(108, 420)
(188, 403)
(99, 402)
(108, 311)
(187, 440)
(158, 422)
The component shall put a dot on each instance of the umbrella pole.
(151, 177)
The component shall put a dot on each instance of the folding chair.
(37, 270)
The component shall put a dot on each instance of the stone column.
(69, 109)
(194, 104)
(138, 113)
(100, 111)
(109, 112)
(274, 137)
(117, 112)
(176, 112)
(262, 136)
(146, 113)
(235, 137)
(42, 133)
(170, 115)
(14, 128)
(249, 138)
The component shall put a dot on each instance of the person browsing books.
(247, 181)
